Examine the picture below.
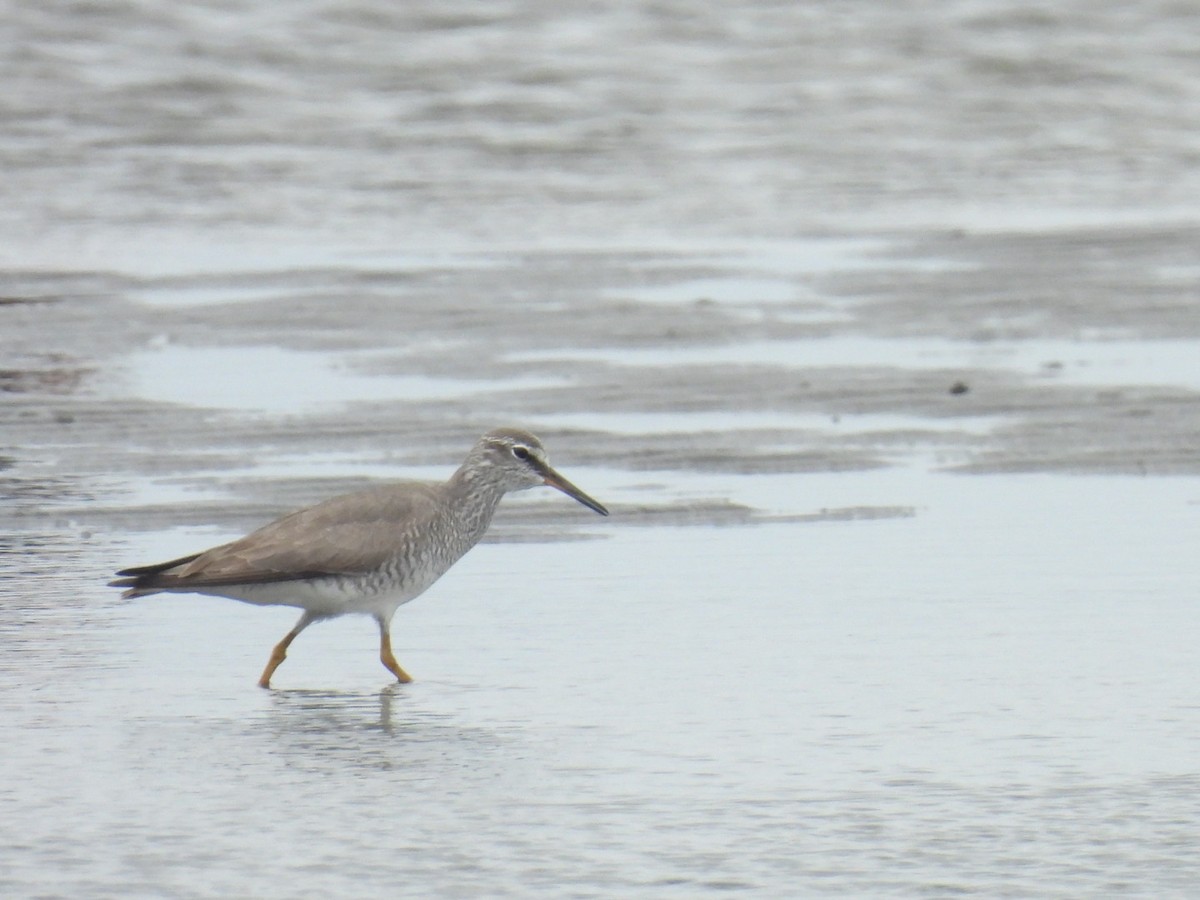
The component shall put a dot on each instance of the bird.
(366, 552)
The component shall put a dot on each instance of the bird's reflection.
(390, 727)
(339, 712)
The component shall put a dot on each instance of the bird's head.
(516, 460)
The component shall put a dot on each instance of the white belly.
(327, 596)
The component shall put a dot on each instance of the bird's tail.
(141, 581)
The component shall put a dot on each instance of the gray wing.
(347, 535)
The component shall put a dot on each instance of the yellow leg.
(387, 657)
(279, 654)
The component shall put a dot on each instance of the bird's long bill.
(555, 480)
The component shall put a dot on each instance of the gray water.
(875, 325)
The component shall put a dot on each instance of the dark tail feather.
(143, 580)
(158, 567)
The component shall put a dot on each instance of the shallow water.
(992, 694)
(875, 327)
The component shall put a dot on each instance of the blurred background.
(166, 129)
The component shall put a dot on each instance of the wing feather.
(348, 535)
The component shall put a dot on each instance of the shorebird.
(366, 552)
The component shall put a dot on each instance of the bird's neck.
(474, 499)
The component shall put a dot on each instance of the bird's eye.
(520, 452)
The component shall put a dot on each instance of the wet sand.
(1066, 352)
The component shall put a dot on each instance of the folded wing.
(348, 535)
